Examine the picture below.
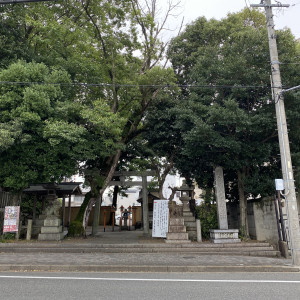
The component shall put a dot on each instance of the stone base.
(52, 230)
(177, 232)
(51, 236)
(177, 236)
(218, 236)
(283, 248)
(52, 222)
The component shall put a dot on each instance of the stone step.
(187, 214)
(176, 221)
(175, 228)
(192, 235)
(191, 228)
(171, 249)
(183, 247)
(171, 246)
(189, 219)
(66, 245)
(177, 235)
(177, 241)
(190, 224)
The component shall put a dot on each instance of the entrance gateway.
(143, 184)
(221, 235)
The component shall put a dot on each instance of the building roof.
(61, 189)
(151, 195)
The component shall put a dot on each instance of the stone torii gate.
(143, 184)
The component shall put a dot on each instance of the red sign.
(11, 218)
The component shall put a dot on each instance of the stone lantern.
(186, 194)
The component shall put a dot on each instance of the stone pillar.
(69, 211)
(199, 236)
(223, 234)
(63, 211)
(145, 206)
(220, 197)
(29, 229)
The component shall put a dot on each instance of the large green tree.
(229, 112)
(45, 134)
(31, 124)
(114, 47)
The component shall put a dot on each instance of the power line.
(23, 83)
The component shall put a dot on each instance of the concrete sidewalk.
(87, 261)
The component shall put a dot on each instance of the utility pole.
(285, 154)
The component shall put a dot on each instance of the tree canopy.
(45, 135)
(229, 109)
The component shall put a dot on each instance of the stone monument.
(51, 229)
(223, 234)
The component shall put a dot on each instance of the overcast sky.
(218, 9)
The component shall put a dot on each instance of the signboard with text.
(160, 218)
(11, 219)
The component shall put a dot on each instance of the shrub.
(207, 214)
(7, 237)
(75, 229)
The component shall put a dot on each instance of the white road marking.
(150, 279)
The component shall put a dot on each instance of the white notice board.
(160, 218)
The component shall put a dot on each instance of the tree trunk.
(172, 193)
(96, 216)
(16, 199)
(243, 204)
(160, 192)
(115, 194)
(163, 175)
(101, 191)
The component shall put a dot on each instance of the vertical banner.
(160, 218)
(11, 219)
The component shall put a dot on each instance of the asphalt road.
(173, 286)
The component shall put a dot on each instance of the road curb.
(137, 269)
